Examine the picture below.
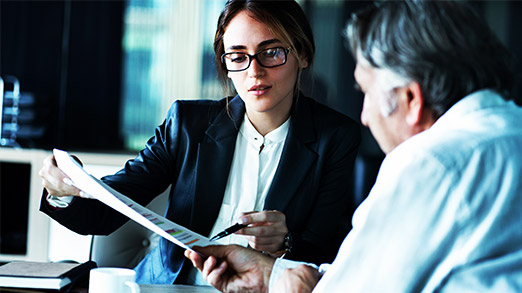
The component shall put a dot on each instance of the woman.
(270, 157)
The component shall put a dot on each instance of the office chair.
(128, 245)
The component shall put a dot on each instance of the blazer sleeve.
(142, 179)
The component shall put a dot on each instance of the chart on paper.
(162, 226)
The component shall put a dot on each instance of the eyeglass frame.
(251, 57)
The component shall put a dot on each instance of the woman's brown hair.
(285, 19)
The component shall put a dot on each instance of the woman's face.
(264, 90)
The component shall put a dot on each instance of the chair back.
(128, 245)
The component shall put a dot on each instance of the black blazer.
(193, 150)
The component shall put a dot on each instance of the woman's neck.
(264, 123)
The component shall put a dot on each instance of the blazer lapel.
(297, 158)
(215, 155)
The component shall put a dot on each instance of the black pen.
(228, 231)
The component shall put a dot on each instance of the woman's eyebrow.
(236, 47)
(260, 45)
(268, 42)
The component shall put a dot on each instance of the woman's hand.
(266, 230)
(55, 181)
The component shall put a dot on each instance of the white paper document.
(97, 189)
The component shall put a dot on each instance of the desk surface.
(176, 289)
(144, 289)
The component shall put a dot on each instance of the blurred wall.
(68, 53)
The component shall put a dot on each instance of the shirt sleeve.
(401, 231)
(280, 266)
(59, 201)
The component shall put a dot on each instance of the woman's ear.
(304, 63)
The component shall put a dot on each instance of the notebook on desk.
(43, 275)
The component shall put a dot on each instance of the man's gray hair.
(386, 80)
(443, 45)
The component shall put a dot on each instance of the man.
(445, 213)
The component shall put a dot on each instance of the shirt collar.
(473, 102)
(250, 133)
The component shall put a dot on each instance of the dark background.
(68, 54)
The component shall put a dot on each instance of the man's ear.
(414, 104)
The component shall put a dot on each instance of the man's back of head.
(443, 45)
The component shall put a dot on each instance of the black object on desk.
(43, 275)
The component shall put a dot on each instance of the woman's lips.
(259, 89)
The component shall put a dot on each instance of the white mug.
(113, 280)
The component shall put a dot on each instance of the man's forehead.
(360, 59)
(362, 72)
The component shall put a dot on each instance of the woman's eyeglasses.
(270, 57)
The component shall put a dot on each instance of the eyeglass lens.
(271, 57)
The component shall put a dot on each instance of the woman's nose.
(255, 69)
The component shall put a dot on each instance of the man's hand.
(266, 230)
(233, 268)
(301, 279)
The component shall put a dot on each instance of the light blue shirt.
(445, 213)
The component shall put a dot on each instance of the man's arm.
(234, 268)
(301, 279)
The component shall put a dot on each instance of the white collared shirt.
(249, 180)
(250, 176)
(444, 214)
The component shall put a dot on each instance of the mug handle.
(133, 286)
